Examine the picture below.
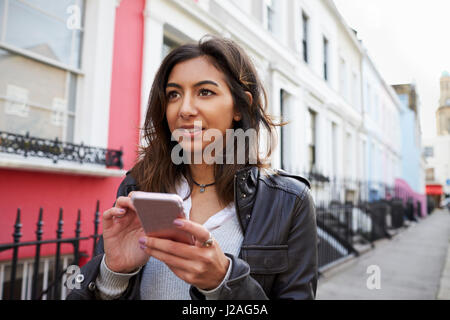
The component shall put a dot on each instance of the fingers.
(167, 258)
(114, 212)
(187, 262)
(125, 202)
(122, 208)
(197, 266)
(175, 248)
(200, 233)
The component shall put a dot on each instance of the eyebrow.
(176, 85)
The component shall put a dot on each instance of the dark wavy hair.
(154, 170)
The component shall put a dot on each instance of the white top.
(213, 222)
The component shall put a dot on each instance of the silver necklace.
(203, 186)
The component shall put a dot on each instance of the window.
(364, 159)
(376, 107)
(334, 149)
(168, 45)
(305, 23)
(287, 132)
(355, 90)
(343, 78)
(40, 59)
(23, 285)
(368, 98)
(349, 155)
(311, 139)
(269, 14)
(284, 131)
(325, 59)
(429, 174)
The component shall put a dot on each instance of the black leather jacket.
(278, 256)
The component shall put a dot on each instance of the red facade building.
(100, 107)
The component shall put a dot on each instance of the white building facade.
(382, 132)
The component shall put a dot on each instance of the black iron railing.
(343, 227)
(52, 290)
(56, 150)
(343, 189)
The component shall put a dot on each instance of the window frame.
(326, 58)
(269, 15)
(70, 70)
(312, 145)
(93, 94)
(334, 149)
(305, 36)
(343, 78)
(429, 174)
(283, 130)
(355, 89)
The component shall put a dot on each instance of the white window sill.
(10, 161)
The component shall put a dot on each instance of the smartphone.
(157, 211)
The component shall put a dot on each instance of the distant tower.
(443, 112)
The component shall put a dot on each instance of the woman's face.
(197, 94)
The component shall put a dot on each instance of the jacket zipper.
(236, 204)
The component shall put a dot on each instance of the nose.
(187, 108)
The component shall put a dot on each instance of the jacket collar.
(245, 185)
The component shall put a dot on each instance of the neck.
(202, 173)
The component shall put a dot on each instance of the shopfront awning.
(434, 189)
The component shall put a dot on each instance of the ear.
(237, 116)
(250, 97)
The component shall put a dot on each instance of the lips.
(190, 131)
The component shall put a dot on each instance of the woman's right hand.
(121, 232)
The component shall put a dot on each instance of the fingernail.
(142, 247)
(142, 241)
(178, 223)
(121, 210)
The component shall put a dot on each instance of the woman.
(255, 228)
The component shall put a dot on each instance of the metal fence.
(341, 227)
(29, 146)
(344, 227)
(42, 277)
(353, 213)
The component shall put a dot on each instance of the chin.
(192, 149)
(197, 154)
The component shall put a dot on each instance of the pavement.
(413, 265)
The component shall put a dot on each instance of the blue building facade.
(411, 137)
(410, 185)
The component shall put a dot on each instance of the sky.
(408, 41)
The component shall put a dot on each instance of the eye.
(206, 92)
(172, 95)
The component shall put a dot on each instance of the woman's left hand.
(201, 266)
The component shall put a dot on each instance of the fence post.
(96, 223)
(77, 241)
(59, 232)
(39, 233)
(419, 209)
(349, 218)
(17, 235)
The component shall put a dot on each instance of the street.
(413, 265)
